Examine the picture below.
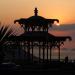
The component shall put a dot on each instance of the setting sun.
(57, 24)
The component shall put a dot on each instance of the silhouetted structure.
(36, 33)
(36, 22)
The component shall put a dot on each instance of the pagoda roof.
(36, 36)
(36, 18)
(39, 37)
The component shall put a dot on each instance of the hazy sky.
(64, 10)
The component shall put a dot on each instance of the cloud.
(64, 27)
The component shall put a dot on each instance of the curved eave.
(52, 20)
(39, 37)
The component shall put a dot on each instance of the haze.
(14, 9)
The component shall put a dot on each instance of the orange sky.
(64, 10)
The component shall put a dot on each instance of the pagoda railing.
(26, 50)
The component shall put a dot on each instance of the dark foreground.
(53, 67)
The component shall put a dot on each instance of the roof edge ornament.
(36, 12)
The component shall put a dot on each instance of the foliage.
(4, 33)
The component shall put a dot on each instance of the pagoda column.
(32, 51)
(43, 51)
(47, 50)
(28, 50)
(59, 52)
(39, 52)
(50, 53)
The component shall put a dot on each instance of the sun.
(57, 24)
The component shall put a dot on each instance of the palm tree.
(4, 34)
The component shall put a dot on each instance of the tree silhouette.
(3, 36)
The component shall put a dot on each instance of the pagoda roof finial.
(36, 12)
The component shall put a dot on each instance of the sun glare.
(57, 24)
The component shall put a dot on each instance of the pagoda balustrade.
(28, 47)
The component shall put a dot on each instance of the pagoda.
(36, 34)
